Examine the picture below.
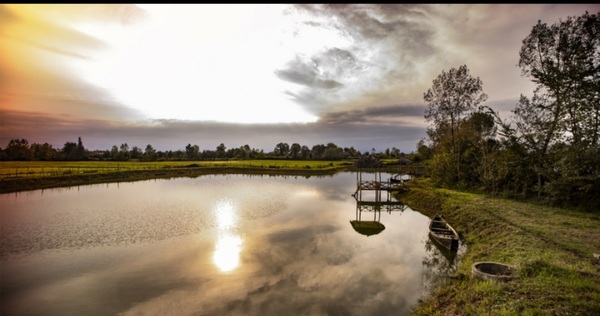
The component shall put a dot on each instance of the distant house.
(404, 161)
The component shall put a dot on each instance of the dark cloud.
(385, 46)
(176, 134)
(392, 113)
(306, 73)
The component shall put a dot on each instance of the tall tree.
(452, 97)
(563, 59)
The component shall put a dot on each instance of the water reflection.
(227, 252)
(375, 204)
(440, 263)
(212, 245)
(228, 247)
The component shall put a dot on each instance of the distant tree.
(220, 152)
(295, 150)
(124, 152)
(68, 151)
(150, 153)
(304, 152)
(332, 153)
(281, 149)
(18, 149)
(317, 151)
(114, 153)
(43, 152)
(178, 154)
(246, 152)
(74, 151)
(208, 154)
(136, 153)
(423, 150)
(351, 152)
(452, 97)
(192, 152)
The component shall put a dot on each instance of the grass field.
(32, 169)
(552, 249)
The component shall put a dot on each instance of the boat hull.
(442, 233)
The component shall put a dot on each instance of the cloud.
(383, 115)
(307, 73)
(361, 69)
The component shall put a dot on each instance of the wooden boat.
(441, 232)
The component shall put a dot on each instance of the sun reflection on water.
(227, 252)
(229, 245)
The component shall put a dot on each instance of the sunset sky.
(256, 74)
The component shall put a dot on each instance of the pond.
(214, 245)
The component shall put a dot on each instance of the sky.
(250, 74)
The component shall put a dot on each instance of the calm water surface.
(212, 245)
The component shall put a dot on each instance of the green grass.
(551, 248)
(20, 169)
(33, 175)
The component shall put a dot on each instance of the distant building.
(404, 161)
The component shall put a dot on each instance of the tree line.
(549, 149)
(20, 149)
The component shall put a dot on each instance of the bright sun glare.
(227, 250)
(203, 62)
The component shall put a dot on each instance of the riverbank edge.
(554, 277)
(12, 185)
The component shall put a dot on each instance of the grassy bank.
(552, 250)
(18, 176)
(33, 175)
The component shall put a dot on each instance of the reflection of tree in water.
(439, 264)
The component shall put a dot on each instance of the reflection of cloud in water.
(315, 270)
(283, 253)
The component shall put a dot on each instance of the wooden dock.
(377, 184)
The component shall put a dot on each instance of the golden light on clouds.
(168, 75)
(209, 62)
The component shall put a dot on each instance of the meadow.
(553, 251)
(16, 176)
(33, 169)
